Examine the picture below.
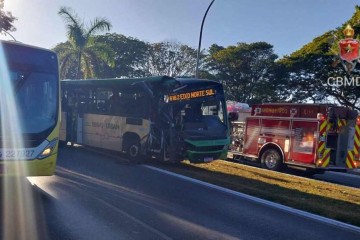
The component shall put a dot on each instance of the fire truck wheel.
(271, 159)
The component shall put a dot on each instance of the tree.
(129, 56)
(82, 52)
(310, 68)
(171, 59)
(247, 72)
(6, 20)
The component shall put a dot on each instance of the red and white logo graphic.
(348, 50)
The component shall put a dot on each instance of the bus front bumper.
(36, 167)
(206, 150)
(204, 157)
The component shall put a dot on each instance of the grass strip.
(325, 199)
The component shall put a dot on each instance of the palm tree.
(81, 53)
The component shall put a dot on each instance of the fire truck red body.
(305, 136)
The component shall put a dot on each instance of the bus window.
(83, 101)
(99, 100)
(213, 108)
(193, 113)
(115, 103)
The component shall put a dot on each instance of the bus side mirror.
(232, 116)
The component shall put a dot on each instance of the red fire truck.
(312, 137)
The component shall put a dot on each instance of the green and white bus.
(162, 117)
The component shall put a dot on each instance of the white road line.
(262, 201)
(136, 220)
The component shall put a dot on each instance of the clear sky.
(286, 24)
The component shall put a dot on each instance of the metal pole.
(199, 46)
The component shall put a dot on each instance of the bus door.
(79, 124)
(64, 114)
(69, 118)
(75, 117)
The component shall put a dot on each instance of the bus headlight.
(48, 149)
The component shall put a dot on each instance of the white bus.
(167, 118)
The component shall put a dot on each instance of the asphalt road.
(345, 179)
(97, 197)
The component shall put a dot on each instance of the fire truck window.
(304, 140)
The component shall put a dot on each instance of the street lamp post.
(198, 51)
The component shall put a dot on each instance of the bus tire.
(271, 159)
(134, 152)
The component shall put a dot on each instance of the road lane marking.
(261, 201)
(136, 220)
(98, 182)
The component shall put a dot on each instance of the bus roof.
(112, 81)
(158, 80)
(16, 43)
(29, 58)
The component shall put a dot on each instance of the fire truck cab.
(311, 137)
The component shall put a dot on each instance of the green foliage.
(82, 52)
(170, 58)
(248, 72)
(6, 20)
(129, 56)
(309, 68)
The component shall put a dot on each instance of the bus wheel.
(133, 152)
(271, 159)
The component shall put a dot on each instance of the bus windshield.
(204, 118)
(36, 96)
(36, 100)
(33, 74)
